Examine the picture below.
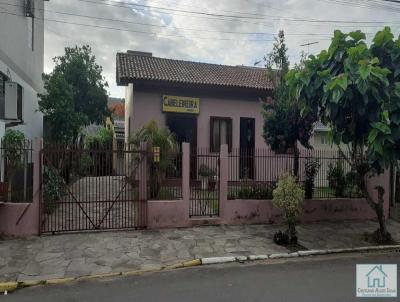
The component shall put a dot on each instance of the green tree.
(355, 89)
(75, 94)
(283, 124)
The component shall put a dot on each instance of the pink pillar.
(186, 176)
(36, 198)
(142, 172)
(223, 180)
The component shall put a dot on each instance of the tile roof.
(138, 66)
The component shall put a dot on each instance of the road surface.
(322, 279)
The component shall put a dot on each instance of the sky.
(233, 32)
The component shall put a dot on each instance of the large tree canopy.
(355, 90)
(75, 94)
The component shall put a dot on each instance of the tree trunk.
(382, 234)
(292, 233)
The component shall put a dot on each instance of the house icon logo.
(376, 280)
(376, 277)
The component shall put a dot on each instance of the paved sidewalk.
(38, 258)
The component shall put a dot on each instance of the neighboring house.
(117, 123)
(376, 277)
(21, 66)
(117, 120)
(320, 138)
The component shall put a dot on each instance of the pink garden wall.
(22, 219)
(166, 214)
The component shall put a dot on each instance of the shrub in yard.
(52, 189)
(351, 189)
(258, 193)
(13, 155)
(311, 169)
(336, 178)
(288, 197)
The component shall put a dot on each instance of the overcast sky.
(242, 33)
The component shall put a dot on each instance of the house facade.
(204, 104)
(21, 66)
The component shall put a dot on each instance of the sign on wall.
(180, 104)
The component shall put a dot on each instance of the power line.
(142, 32)
(166, 26)
(259, 16)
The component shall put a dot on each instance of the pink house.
(204, 104)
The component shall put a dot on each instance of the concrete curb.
(307, 253)
(6, 287)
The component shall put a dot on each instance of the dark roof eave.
(123, 81)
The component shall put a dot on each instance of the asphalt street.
(322, 279)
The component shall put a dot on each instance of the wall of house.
(33, 119)
(145, 106)
(21, 61)
(15, 41)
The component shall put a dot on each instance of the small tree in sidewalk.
(288, 197)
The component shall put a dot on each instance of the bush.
(206, 172)
(85, 165)
(288, 197)
(343, 183)
(336, 178)
(103, 138)
(311, 170)
(53, 189)
(258, 193)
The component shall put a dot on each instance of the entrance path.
(72, 255)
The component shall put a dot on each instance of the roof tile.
(133, 67)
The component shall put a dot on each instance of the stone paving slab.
(344, 234)
(38, 258)
(72, 255)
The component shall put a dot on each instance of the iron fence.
(91, 188)
(16, 171)
(253, 174)
(204, 183)
(165, 179)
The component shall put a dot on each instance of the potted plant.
(206, 175)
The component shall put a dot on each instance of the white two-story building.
(21, 66)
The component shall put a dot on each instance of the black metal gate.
(96, 189)
(204, 183)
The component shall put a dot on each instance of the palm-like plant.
(165, 140)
